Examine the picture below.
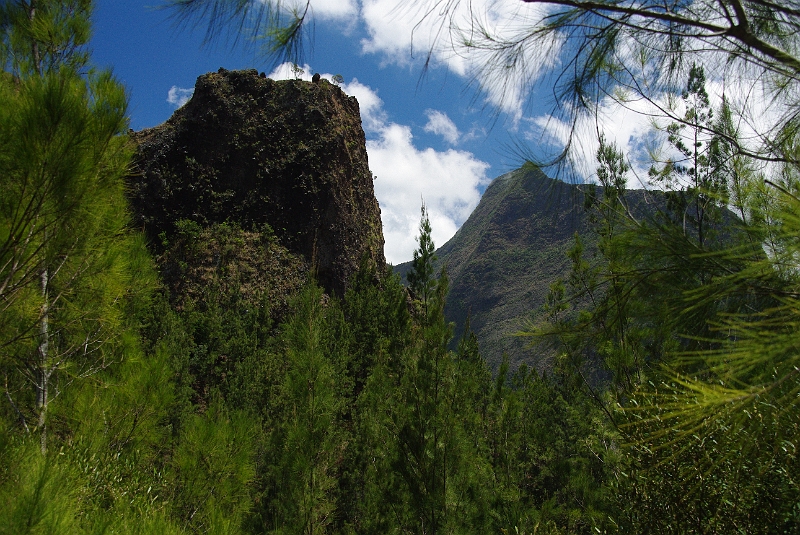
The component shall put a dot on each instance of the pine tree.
(378, 331)
(308, 439)
(437, 474)
(378, 326)
(421, 280)
(696, 188)
(425, 425)
(65, 268)
(214, 470)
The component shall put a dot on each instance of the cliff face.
(252, 152)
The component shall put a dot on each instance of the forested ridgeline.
(139, 399)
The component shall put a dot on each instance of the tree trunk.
(43, 371)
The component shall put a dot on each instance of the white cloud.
(447, 181)
(634, 125)
(440, 124)
(407, 34)
(637, 127)
(393, 31)
(373, 116)
(178, 96)
(286, 71)
(335, 9)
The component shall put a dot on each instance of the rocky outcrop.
(257, 153)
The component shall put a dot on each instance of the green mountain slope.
(503, 259)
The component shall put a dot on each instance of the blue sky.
(434, 138)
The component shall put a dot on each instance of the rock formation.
(289, 156)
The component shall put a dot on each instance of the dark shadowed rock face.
(252, 151)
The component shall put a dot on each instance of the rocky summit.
(288, 157)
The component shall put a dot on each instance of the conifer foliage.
(691, 308)
(670, 406)
(66, 259)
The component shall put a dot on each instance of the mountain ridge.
(503, 259)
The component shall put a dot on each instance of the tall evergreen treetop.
(420, 277)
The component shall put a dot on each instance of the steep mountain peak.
(257, 153)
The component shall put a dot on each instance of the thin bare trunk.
(43, 372)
